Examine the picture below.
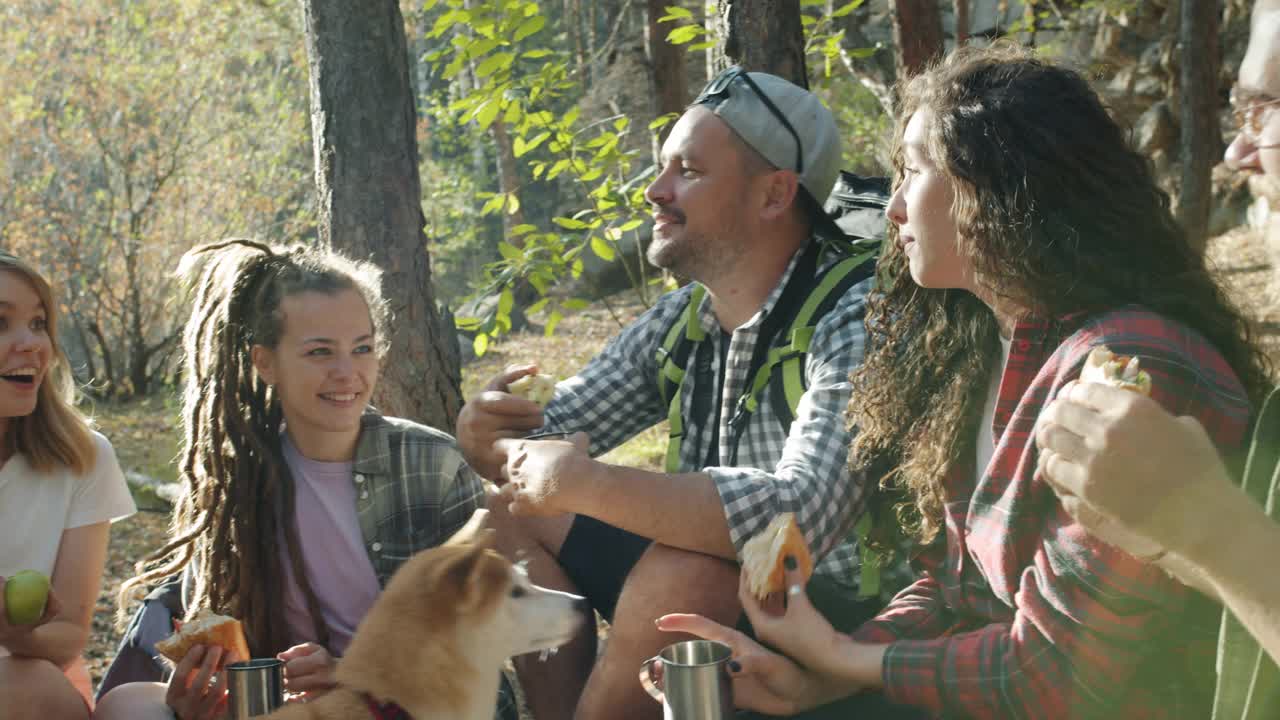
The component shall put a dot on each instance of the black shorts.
(597, 557)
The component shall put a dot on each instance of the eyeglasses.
(717, 91)
(1251, 110)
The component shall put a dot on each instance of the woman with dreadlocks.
(299, 500)
(1026, 232)
(60, 487)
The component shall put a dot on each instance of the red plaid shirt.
(1022, 613)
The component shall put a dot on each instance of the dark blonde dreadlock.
(238, 497)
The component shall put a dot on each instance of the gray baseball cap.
(782, 121)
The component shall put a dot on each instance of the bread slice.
(1122, 371)
(763, 556)
(537, 388)
(206, 628)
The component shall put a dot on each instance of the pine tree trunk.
(917, 34)
(767, 36)
(1201, 137)
(962, 22)
(363, 125)
(666, 64)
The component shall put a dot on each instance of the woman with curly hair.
(299, 501)
(1025, 232)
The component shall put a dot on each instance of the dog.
(435, 640)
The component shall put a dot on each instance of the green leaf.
(513, 203)
(630, 225)
(846, 9)
(702, 46)
(602, 248)
(467, 323)
(860, 53)
(569, 223)
(621, 124)
(684, 34)
(480, 345)
(541, 138)
(495, 62)
(675, 12)
(535, 54)
(662, 121)
(493, 205)
(552, 321)
(559, 167)
(575, 304)
(509, 251)
(522, 229)
(506, 301)
(488, 112)
(536, 307)
(529, 27)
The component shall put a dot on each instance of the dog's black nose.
(581, 605)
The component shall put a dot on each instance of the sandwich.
(537, 388)
(206, 628)
(1122, 371)
(763, 556)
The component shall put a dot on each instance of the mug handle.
(646, 679)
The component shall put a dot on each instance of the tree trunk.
(766, 36)
(962, 22)
(363, 125)
(666, 65)
(917, 34)
(1201, 138)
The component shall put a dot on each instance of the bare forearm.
(1238, 532)
(860, 665)
(681, 511)
(60, 642)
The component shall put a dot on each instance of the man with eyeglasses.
(737, 208)
(1136, 476)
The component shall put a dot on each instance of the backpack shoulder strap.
(673, 359)
(786, 379)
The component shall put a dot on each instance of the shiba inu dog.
(434, 641)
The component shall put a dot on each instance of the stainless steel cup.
(695, 681)
(256, 687)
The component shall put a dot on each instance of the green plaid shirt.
(413, 490)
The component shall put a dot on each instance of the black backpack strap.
(786, 382)
(673, 359)
(784, 311)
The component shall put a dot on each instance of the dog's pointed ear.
(476, 531)
(479, 573)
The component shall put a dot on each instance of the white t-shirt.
(986, 443)
(36, 507)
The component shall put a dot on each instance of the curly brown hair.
(238, 495)
(1056, 213)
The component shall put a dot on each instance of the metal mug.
(695, 681)
(256, 687)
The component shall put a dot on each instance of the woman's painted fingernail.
(789, 562)
(735, 666)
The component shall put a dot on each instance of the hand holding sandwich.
(545, 476)
(195, 690)
(1126, 469)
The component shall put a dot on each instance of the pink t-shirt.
(333, 552)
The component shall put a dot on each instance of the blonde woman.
(60, 487)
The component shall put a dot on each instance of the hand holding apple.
(26, 602)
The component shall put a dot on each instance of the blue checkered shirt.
(804, 471)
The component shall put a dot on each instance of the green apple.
(25, 593)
